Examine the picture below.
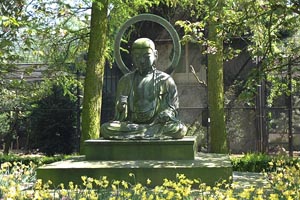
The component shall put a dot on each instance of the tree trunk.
(92, 100)
(218, 134)
(13, 126)
(7, 143)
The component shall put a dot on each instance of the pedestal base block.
(209, 168)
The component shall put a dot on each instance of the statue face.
(143, 59)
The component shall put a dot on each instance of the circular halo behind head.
(153, 18)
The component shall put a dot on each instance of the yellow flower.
(138, 188)
(126, 195)
(157, 189)
(26, 173)
(114, 187)
(170, 195)
(71, 185)
(245, 194)
(64, 192)
(229, 194)
(38, 184)
(90, 179)
(49, 182)
(274, 197)
(260, 191)
(104, 182)
(180, 176)
(230, 198)
(178, 196)
(196, 181)
(37, 195)
(259, 197)
(125, 184)
(89, 185)
(97, 182)
(29, 194)
(62, 186)
(148, 181)
(151, 197)
(186, 192)
(208, 188)
(116, 182)
(288, 193)
(83, 178)
(6, 165)
(144, 196)
(93, 195)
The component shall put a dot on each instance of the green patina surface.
(181, 149)
(146, 159)
(210, 168)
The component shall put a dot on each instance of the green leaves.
(268, 28)
(9, 21)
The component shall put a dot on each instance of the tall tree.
(209, 32)
(215, 79)
(94, 72)
(104, 13)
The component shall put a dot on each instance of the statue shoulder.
(127, 77)
(164, 77)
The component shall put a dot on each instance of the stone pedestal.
(183, 149)
(146, 159)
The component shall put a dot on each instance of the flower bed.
(17, 181)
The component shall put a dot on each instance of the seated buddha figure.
(146, 100)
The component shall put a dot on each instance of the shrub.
(54, 124)
(26, 160)
(258, 162)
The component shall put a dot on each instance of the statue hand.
(164, 116)
(122, 107)
(121, 112)
(122, 103)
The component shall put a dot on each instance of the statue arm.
(169, 102)
(172, 96)
(121, 105)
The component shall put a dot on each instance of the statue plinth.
(146, 159)
(180, 149)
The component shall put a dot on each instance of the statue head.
(144, 55)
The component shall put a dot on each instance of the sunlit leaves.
(269, 28)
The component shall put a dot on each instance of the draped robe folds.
(150, 109)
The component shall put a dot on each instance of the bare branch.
(197, 78)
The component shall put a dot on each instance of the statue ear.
(156, 54)
(156, 58)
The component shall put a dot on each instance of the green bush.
(35, 159)
(54, 124)
(258, 162)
